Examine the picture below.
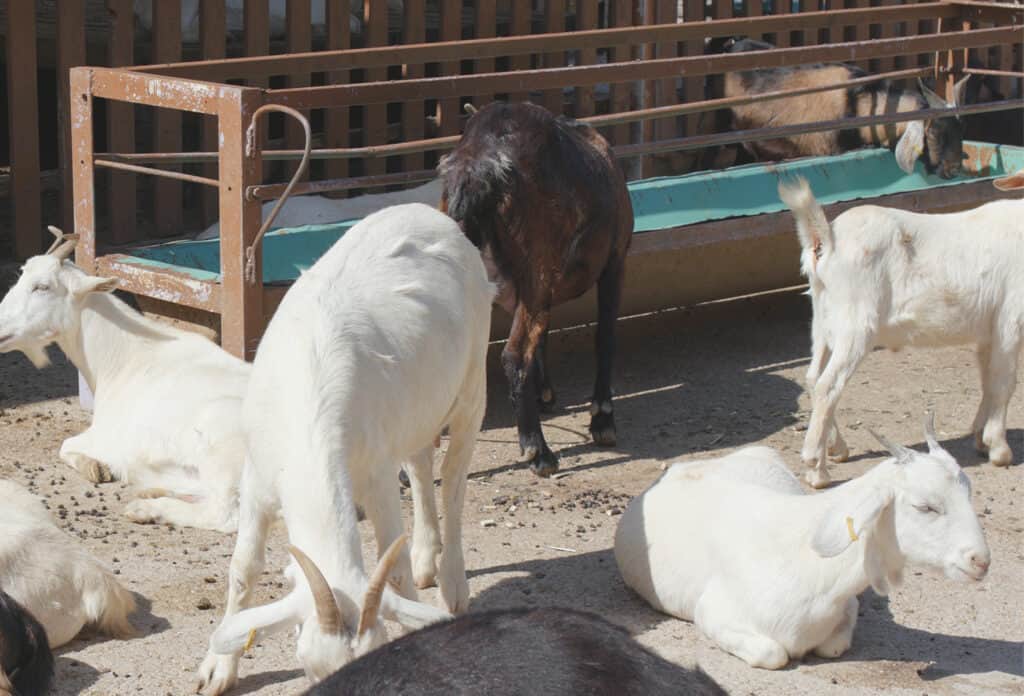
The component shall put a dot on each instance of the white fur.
(52, 576)
(167, 402)
(372, 352)
(892, 278)
(769, 573)
(319, 210)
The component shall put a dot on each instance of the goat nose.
(980, 561)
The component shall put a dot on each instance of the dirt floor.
(691, 383)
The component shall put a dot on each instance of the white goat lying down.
(51, 575)
(319, 210)
(777, 573)
(372, 352)
(167, 402)
(892, 278)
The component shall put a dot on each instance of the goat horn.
(898, 451)
(929, 432)
(63, 244)
(375, 590)
(327, 611)
(469, 108)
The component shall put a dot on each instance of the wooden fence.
(126, 32)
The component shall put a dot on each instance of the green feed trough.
(659, 204)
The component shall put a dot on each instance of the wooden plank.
(451, 30)
(83, 179)
(167, 122)
(414, 30)
(70, 53)
(586, 18)
(23, 129)
(554, 22)
(375, 116)
(336, 121)
(299, 30)
(521, 25)
(212, 32)
(486, 28)
(621, 15)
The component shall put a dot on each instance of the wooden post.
(83, 182)
(486, 28)
(414, 31)
(167, 122)
(375, 116)
(121, 124)
(300, 40)
(241, 300)
(70, 53)
(521, 21)
(23, 128)
(554, 21)
(693, 87)
(586, 18)
(212, 30)
(621, 16)
(451, 30)
(336, 121)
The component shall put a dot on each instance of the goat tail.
(811, 224)
(108, 604)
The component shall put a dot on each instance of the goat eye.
(927, 509)
(40, 287)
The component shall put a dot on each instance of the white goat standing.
(51, 575)
(372, 352)
(319, 210)
(892, 278)
(167, 402)
(778, 572)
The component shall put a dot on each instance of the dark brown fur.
(546, 203)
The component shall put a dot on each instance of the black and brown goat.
(517, 651)
(547, 205)
(26, 663)
(938, 142)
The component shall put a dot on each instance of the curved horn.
(929, 432)
(933, 99)
(899, 451)
(375, 590)
(63, 245)
(469, 108)
(327, 611)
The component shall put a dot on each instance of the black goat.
(517, 651)
(546, 203)
(938, 141)
(26, 663)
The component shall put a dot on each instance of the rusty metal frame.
(243, 306)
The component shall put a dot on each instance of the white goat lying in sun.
(892, 278)
(769, 573)
(167, 402)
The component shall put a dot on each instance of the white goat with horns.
(372, 352)
(893, 278)
(167, 402)
(778, 573)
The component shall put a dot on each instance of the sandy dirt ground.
(691, 383)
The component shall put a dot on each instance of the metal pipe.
(266, 192)
(997, 73)
(109, 164)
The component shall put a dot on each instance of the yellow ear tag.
(849, 528)
(252, 637)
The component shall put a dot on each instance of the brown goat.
(547, 205)
(938, 142)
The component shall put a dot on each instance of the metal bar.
(997, 12)
(23, 128)
(70, 52)
(155, 90)
(622, 34)
(450, 87)
(83, 181)
(167, 213)
(163, 173)
(998, 73)
(701, 141)
(336, 121)
(163, 284)
(212, 30)
(121, 194)
(268, 192)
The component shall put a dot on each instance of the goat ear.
(236, 631)
(90, 284)
(846, 520)
(933, 99)
(1010, 183)
(959, 89)
(409, 613)
(910, 146)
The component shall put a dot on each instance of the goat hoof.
(547, 400)
(1000, 456)
(602, 429)
(543, 463)
(817, 478)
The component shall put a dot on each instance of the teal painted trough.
(658, 204)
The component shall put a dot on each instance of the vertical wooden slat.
(783, 39)
(414, 30)
(521, 25)
(121, 124)
(83, 182)
(70, 52)
(336, 121)
(693, 87)
(665, 90)
(586, 18)
(212, 32)
(486, 28)
(621, 16)
(375, 116)
(167, 122)
(451, 30)
(857, 32)
(554, 21)
(300, 40)
(256, 25)
(23, 124)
